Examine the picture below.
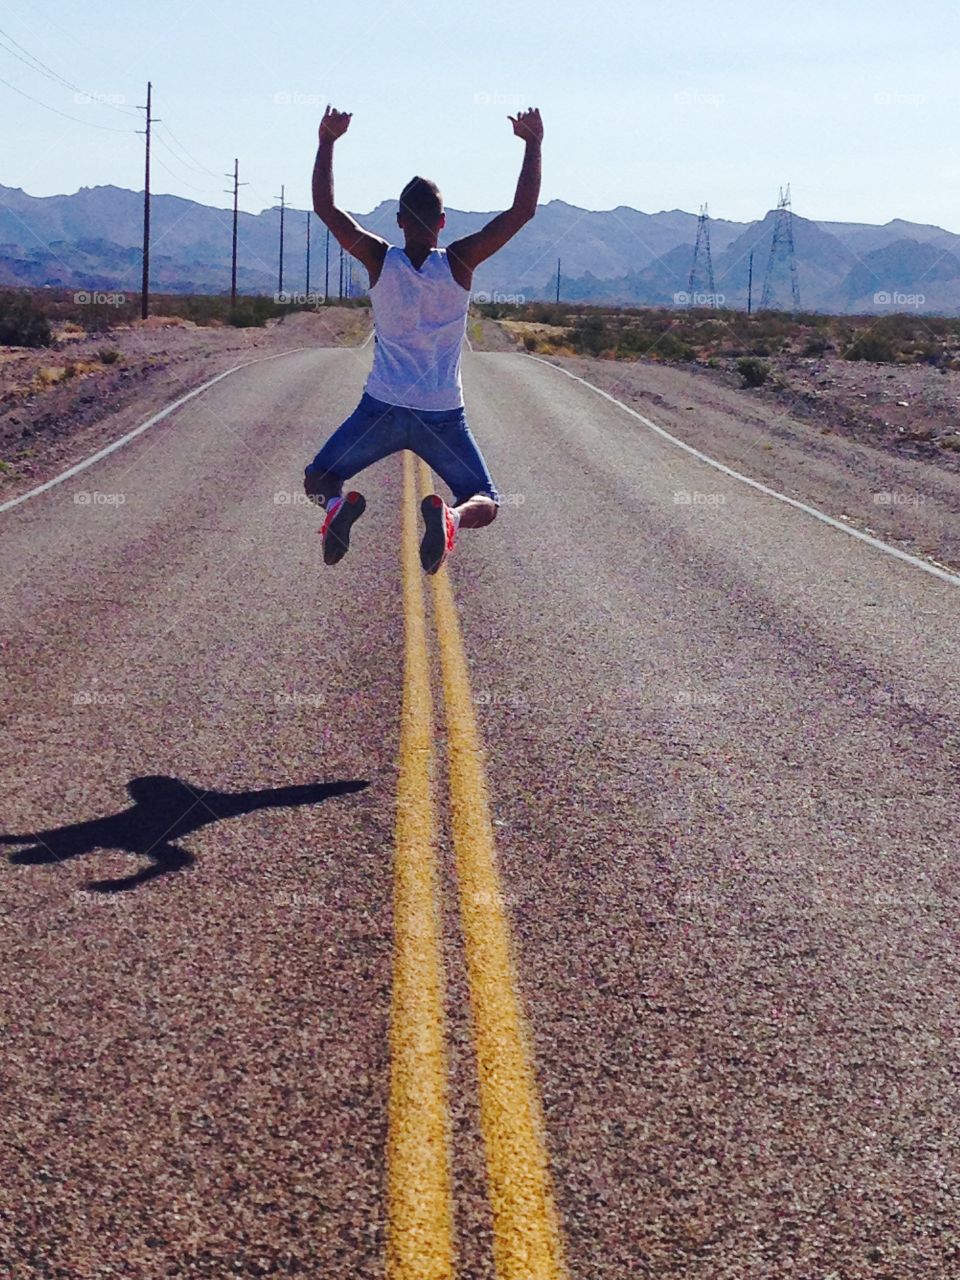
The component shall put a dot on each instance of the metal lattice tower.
(702, 246)
(783, 241)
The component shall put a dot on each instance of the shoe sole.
(433, 546)
(337, 542)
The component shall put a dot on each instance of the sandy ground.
(895, 406)
(48, 420)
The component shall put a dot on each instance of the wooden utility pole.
(237, 184)
(145, 282)
(282, 207)
(307, 290)
(750, 285)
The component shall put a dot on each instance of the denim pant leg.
(373, 431)
(446, 444)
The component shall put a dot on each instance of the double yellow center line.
(526, 1234)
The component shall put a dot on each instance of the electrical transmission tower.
(782, 243)
(702, 246)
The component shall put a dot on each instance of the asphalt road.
(677, 768)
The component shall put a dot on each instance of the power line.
(51, 75)
(57, 112)
(35, 64)
(190, 157)
(173, 174)
(157, 137)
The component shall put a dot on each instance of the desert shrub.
(97, 319)
(816, 346)
(108, 355)
(502, 311)
(530, 342)
(201, 309)
(548, 313)
(902, 328)
(874, 347)
(670, 347)
(927, 353)
(754, 372)
(591, 335)
(22, 323)
(632, 341)
(255, 311)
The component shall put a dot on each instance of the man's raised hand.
(528, 125)
(334, 124)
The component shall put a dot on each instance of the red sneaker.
(336, 528)
(439, 535)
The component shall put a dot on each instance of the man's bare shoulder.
(460, 269)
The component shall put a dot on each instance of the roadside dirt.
(489, 335)
(889, 405)
(833, 435)
(905, 407)
(62, 403)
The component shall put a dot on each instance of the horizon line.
(103, 186)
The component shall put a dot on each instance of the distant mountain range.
(91, 240)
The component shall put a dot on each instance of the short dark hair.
(421, 202)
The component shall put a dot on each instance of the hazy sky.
(655, 105)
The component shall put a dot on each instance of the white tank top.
(419, 319)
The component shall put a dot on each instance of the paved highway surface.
(590, 910)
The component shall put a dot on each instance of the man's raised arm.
(363, 245)
(469, 252)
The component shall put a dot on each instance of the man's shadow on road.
(163, 811)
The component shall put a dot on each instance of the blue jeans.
(440, 437)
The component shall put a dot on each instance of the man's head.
(420, 215)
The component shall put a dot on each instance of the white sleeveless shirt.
(419, 319)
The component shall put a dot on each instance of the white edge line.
(366, 340)
(877, 543)
(117, 444)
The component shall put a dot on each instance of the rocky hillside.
(91, 240)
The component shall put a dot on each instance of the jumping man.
(413, 397)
